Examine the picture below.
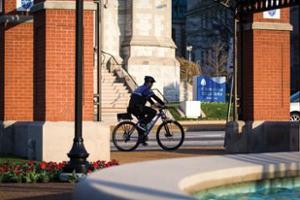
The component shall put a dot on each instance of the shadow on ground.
(217, 151)
(40, 191)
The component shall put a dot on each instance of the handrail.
(129, 80)
(165, 99)
(123, 74)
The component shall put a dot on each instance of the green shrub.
(213, 111)
(34, 171)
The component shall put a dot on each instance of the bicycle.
(169, 135)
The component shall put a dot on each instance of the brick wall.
(18, 74)
(57, 81)
(1, 72)
(266, 72)
(16, 69)
(37, 67)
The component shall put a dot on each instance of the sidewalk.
(204, 125)
(140, 156)
(199, 125)
(40, 191)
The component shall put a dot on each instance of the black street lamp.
(78, 153)
(232, 5)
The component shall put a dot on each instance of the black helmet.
(149, 79)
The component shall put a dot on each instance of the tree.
(188, 70)
(217, 59)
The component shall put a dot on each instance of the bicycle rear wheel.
(125, 136)
(170, 135)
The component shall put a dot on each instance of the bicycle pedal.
(145, 144)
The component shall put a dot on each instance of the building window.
(174, 34)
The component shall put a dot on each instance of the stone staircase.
(115, 97)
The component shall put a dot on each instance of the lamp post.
(189, 49)
(78, 153)
(232, 5)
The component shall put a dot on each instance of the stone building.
(208, 30)
(179, 8)
(138, 34)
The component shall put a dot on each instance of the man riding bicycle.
(137, 106)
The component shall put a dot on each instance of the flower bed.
(33, 171)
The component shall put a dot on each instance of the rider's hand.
(157, 105)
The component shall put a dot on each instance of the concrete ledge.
(61, 5)
(269, 26)
(178, 178)
(16, 19)
(51, 141)
(262, 136)
(149, 41)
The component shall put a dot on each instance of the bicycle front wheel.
(125, 136)
(170, 135)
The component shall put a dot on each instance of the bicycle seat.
(124, 116)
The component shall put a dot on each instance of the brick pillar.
(54, 61)
(265, 83)
(16, 71)
(2, 72)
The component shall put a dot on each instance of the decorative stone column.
(148, 48)
(264, 87)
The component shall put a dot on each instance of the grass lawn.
(213, 111)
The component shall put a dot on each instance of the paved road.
(192, 140)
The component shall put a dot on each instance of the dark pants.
(145, 114)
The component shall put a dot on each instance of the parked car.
(295, 107)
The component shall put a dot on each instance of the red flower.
(30, 162)
(43, 165)
(90, 171)
(95, 165)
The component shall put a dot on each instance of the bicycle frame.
(159, 115)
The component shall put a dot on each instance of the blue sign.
(207, 89)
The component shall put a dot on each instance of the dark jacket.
(140, 97)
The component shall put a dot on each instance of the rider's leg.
(150, 114)
(140, 115)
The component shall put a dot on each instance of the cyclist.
(137, 106)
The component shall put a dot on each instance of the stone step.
(115, 88)
(115, 101)
(113, 110)
(103, 76)
(115, 106)
(115, 93)
(107, 76)
(122, 103)
(114, 97)
(108, 81)
(113, 84)
(111, 100)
